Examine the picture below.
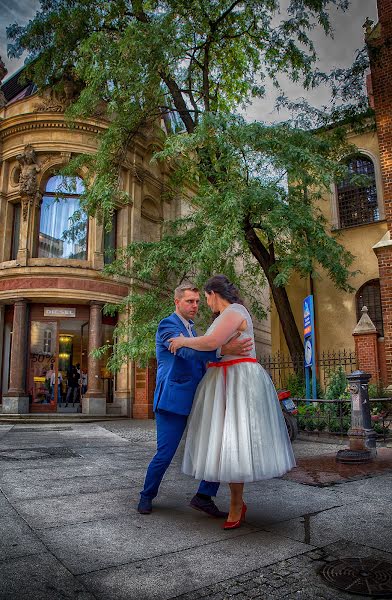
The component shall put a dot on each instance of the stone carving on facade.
(57, 99)
(28, 182)
(3, 73)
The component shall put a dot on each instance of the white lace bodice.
(247, 333)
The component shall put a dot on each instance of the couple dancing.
(236, 430)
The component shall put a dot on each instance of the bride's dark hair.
(222, 286)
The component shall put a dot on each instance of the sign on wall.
(59, 312)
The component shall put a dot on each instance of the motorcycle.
(289, 410)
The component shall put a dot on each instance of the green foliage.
(310, 425)
(296, 384)
(334, 426)
(321, 424)
(197, 64)
(378, 428)
(337, 388)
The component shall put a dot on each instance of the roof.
(17, 86)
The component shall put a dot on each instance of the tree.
(256, 185)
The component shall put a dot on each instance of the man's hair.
(181, 289)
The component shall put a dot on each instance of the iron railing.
(334, 416)
(281, 367)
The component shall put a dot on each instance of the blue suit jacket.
(178, 375)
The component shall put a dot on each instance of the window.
(369, 295)
(109, 241)
(63, 225)
(15, 232)
(358, 204)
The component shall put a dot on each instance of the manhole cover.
(365, 576)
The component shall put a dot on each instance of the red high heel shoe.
(236, 524)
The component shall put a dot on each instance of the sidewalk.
(70, 529)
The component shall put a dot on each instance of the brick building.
(379, 42)
(361, 217)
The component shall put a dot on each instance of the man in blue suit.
(177, 379)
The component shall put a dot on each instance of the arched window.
(358, 204)
(369, 295)
(63, 226)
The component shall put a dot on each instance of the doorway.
(58, 365)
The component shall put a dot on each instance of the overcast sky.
(348, 37)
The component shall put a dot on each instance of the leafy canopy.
(196, 64)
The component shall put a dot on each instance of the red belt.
(228, 363)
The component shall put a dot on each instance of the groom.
(177, 379)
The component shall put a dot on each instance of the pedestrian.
(236, 431)
(59, 383)
(73, 386)
(177, 379)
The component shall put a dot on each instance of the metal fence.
(333, 417)
(283, 367)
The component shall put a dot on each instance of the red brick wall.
(380, 52)
(384, 256)
(144, 392)
(382, 361)
(366, 349)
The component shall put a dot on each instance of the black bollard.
(362, 438)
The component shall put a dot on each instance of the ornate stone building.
(52, 289)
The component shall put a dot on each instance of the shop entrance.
(58, 375)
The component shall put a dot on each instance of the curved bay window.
(358, 204)
(369, 295)
(63, 225)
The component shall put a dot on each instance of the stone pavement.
(70, 530)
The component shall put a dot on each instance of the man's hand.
(236, 347)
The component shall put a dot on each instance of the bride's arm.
(227, 326)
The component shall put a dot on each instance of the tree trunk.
(279, 294)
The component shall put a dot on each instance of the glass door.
(43, 368)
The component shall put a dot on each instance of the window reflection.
(63, 225)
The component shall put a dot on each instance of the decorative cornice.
(31, 122)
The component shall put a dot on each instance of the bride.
(236, 432)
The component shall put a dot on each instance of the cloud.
(19, 11)
(340, 51)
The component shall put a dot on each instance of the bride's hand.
(176, 343)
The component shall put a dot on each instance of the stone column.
(94, 401)
(123, 391)
(17, 400)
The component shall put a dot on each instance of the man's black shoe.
(145, 506)
(207, 506)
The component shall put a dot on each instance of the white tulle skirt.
(236, 430)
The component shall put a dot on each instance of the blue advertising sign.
(309, 346)
(308, 316)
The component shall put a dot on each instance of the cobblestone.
(291, 579)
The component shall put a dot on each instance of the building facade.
(52, 289)
(361, 218)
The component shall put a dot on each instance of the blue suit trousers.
(170, 428)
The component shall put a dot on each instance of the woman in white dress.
(236, 431)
